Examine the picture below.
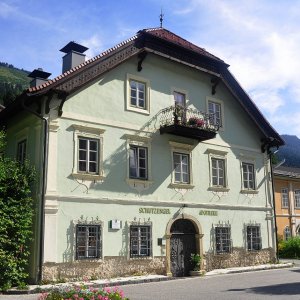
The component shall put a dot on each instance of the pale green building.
(146, 153)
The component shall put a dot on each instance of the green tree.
(16, 213)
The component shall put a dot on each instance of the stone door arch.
(183, 237)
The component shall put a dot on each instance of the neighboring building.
(287, 201)
(151, 151)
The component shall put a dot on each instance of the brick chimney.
(38, 77)
(74, 56)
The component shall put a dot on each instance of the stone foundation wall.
(239, 258)
(109, 267)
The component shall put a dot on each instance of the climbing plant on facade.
(16, 213)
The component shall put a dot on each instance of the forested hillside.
(12, 82)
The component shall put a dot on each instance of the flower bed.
(82, 292)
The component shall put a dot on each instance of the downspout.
(273, 195)
(42, 202)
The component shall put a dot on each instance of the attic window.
(137, 94)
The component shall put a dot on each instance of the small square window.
(179, 98)
(137, 94)
(140, 241)
(88, 241)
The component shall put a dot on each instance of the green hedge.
(289, 248)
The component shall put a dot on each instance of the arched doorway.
(182, 244)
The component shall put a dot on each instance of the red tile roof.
(174, 38)
(161, 33)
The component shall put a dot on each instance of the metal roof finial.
(161, 18)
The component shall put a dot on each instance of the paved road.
(278, 284)
(275, 284)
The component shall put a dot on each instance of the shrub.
(289, 248)
(82, 292)
(16, 211)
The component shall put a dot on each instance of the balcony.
(188, 122)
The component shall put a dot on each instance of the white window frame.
(244, 189)
(139, 241)
(185, 149)
(179, 91)
(144, 142)
(284, 200)
(129, 106)
(228, 241)
(297, 198)
(252, 240)
(137, 157)
(221, 104)
(92, 134)
(219, 155)
(139, 224)
(87, 235)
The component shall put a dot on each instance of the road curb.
(146, 279)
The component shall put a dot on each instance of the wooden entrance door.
(182, 245)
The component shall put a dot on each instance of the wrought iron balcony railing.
(188, 122)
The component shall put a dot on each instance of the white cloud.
(6, 10)
(95, 45)
(261, 42)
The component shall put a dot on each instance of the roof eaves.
(68, 73)
(249, 105)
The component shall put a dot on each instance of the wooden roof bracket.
(142, 55)
(215, 81)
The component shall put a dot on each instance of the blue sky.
(260, 39)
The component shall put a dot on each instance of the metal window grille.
(297, 198)
(137, 94)
(223, 239)
(253, 238)
(140, 241)
(181, 167)
(88, 155)
(21, 151)
(215, 109)
(284, 197)
(287, 232)
(88, 241)
(248, 176)
(218, 172)
(138, 162)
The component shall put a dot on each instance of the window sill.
(141, 257)
(249, 191)
(86, 176)
(139, 110)
(218, 189)
(181, 185)
(139, 184)
(89, 259)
